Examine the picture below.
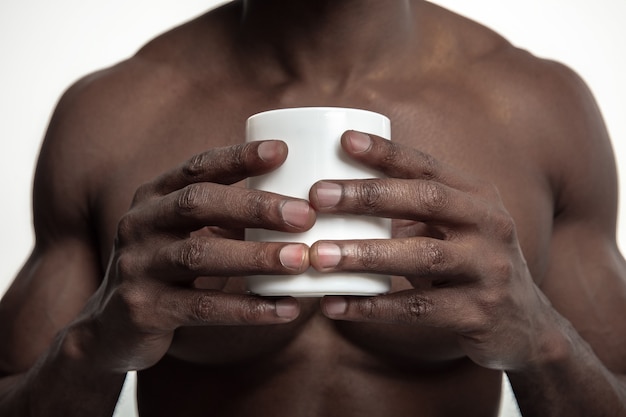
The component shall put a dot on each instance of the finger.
(205, 204)
(412, 257)
(225, 165)
(446, 308)
(201, 256)
(418, 200)
(400, 161)
(190, 307)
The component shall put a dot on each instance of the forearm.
(571, 382)
(64, 382)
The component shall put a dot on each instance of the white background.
(47, 45)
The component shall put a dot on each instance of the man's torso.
(454, 111)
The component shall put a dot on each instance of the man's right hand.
(181, 227)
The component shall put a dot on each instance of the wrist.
(554, 347)
(566, 378)
(69, 380)
(82, 347)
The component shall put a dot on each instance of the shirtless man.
(500, 181)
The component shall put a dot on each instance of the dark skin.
(500, 180)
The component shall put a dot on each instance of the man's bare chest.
(473, 142)
(481, 148)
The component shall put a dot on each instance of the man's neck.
(342, 39)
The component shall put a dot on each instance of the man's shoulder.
(478, 51)
(513, 79)
(169, 59)
(163, 72)
(541, 105)
(543, 93)
(549, 111)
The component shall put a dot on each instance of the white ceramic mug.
(313, 136)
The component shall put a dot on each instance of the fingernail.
(359, 142)
(296, 213)
(328, 255)
(292, 256)
(335, 306)
(268, 151)
(287, 308)
(328, 194)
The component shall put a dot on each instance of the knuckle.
(504, 225)
(204, 307)
(429, 166)
(126, 265)
(502, 268)
(484, 315)
(367, 308)
(492, 300)
(190, 199)
(370, 196)
(191, 255)
(433, 258)
(416, 307)
(496, 293)
(216, 164)
(433, 197)
(142, 193)
(195, 168)
(208, 308)
(139, 305)
(262, 258)
(253, 311)
(392, 153)
(404, 163)
(372, 256)
(257, 207)
(126, 229)
(236, 157)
